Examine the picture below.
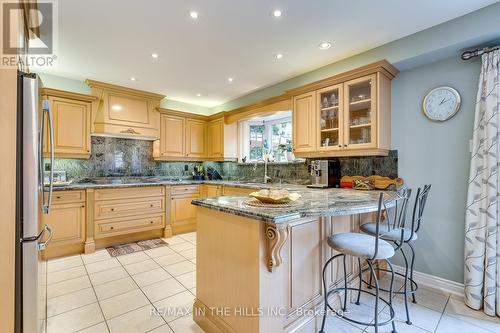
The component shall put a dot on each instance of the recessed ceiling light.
(279, 56)
(277, 13)
(230, 79)
(133, 79)
(199, 95)
(193, 14)
(155, 55)
(325, 45)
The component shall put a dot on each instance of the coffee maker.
(324, 173)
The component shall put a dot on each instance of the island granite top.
(313, 203)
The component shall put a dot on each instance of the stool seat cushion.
(360, 245)
(388, 233)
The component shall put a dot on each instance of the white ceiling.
(111, 41)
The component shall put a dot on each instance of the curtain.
(482, 223)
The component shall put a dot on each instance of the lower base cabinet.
(233, 190)
(67, 220)
(182, 212)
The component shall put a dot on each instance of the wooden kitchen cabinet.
(192, 137)
(212, 190)
(71, 116)
(67, 220)
(233, 190)
(182, 212)
(196, 135)
(172, 138)
(124, 211)
(216, 139)
(304, 123)
(346, 115)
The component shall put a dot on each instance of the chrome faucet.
(265, 160)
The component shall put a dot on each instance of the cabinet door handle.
(150, 205)
(112, 209)
(111, 228)
(151, 222)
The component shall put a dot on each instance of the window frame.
(244, 137)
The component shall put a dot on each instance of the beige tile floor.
(131, 293)
(97, 293)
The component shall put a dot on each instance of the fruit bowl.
(275, 196)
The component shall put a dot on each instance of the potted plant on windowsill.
(286, 149)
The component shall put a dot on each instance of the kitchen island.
(259, 269)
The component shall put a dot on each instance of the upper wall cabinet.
(71, 114)
(183, 136)
(304, 123)
(345, 115)
(196, 138)
(216, 138)
(125, 112)
(193, 137)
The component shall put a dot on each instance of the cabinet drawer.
(61, 197)
(187, 189)
(124, 226)
(129, 192)
(118, 208)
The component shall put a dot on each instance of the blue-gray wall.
(437, 153)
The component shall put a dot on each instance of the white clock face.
(441, 103)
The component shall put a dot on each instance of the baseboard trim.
(435, 282)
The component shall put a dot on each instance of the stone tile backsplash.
(128, 157)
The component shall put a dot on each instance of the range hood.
(125, 112)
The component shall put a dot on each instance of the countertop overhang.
(313, 203)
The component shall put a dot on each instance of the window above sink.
(269, 135)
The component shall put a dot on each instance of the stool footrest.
(339, 289)
(408, 291)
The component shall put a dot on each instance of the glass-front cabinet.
(348, 114)
(360, 112)
(330, 118)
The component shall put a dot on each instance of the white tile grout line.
(142, 291)
(129, 275)
(98, 303)
(442, 314)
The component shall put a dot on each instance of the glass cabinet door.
(330, 102)
(360, 115)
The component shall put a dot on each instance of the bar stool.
(391, 233)
(370, 248)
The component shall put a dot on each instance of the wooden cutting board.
(379, 182)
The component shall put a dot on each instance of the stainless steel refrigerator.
(33, 198)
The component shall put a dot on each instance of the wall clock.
(441, 103)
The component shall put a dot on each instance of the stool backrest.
(395, 218)
(418, 208)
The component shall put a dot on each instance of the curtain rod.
(477, 52)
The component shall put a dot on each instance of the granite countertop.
(313, 203)
(116, 182)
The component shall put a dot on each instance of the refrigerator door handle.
(43, 245)
(51, 179)
(40, 161)
(46, 109)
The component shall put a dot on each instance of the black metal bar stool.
(370, 248)
(391, 232)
